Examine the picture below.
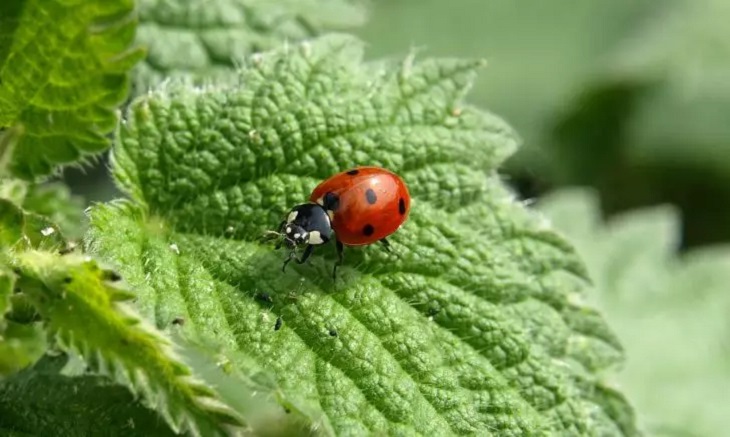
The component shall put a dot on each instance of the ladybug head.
(306, 224)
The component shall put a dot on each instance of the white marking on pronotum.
(288, 229)
(315, 238)
(297, 235)
(292, 216)
(174, 248)
(47, 231)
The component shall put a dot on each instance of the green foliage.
(204, 40)
(42, 400)
(55, 201)
(63, 71)
(541, 54)
(475, 327)
(626, 96)
(669, 311)
(72, 294)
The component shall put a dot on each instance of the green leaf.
(475, 327)
(22, 230)
(20, 346)
(55, 202)
(72, 295)
(63, 71)
(52, 202)
(43, 401)
(205, 40)
(669, 311)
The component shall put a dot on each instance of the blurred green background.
(631, 97)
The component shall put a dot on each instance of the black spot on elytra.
(368, 230)
(331, 201)
(353, 172)
(371, 196)
(402, 206)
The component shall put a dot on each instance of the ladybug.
(356, 207)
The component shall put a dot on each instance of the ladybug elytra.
(356, 207)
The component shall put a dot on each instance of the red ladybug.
(359, 206)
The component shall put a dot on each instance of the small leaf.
(43, 401)
(72, 294)
(205, 40)
(63, 71)
(20, 346)
(669, 311)
(26, 230)
(55, 202)
(475, 328)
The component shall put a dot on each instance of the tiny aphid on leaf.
(356, 207)
(278, 323)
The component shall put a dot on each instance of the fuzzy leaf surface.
(650, 295)
(476, 325)
(63, 71)
(204, 40)
(72, 293)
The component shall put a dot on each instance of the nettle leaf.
(72, 293)
(476, 326)
(669, 311)
(20, 343)
(206, 40)
(42, 400)
(51, 201)
(63, 71)
(55, 201)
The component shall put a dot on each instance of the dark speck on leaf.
(111, 275)
(265, 297)
(278, 323)
(67, 280)
(178, 321)
(333, 333)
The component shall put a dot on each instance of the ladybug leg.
(293, 255)
(305, 255)
(386, 245)
(340, 257)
